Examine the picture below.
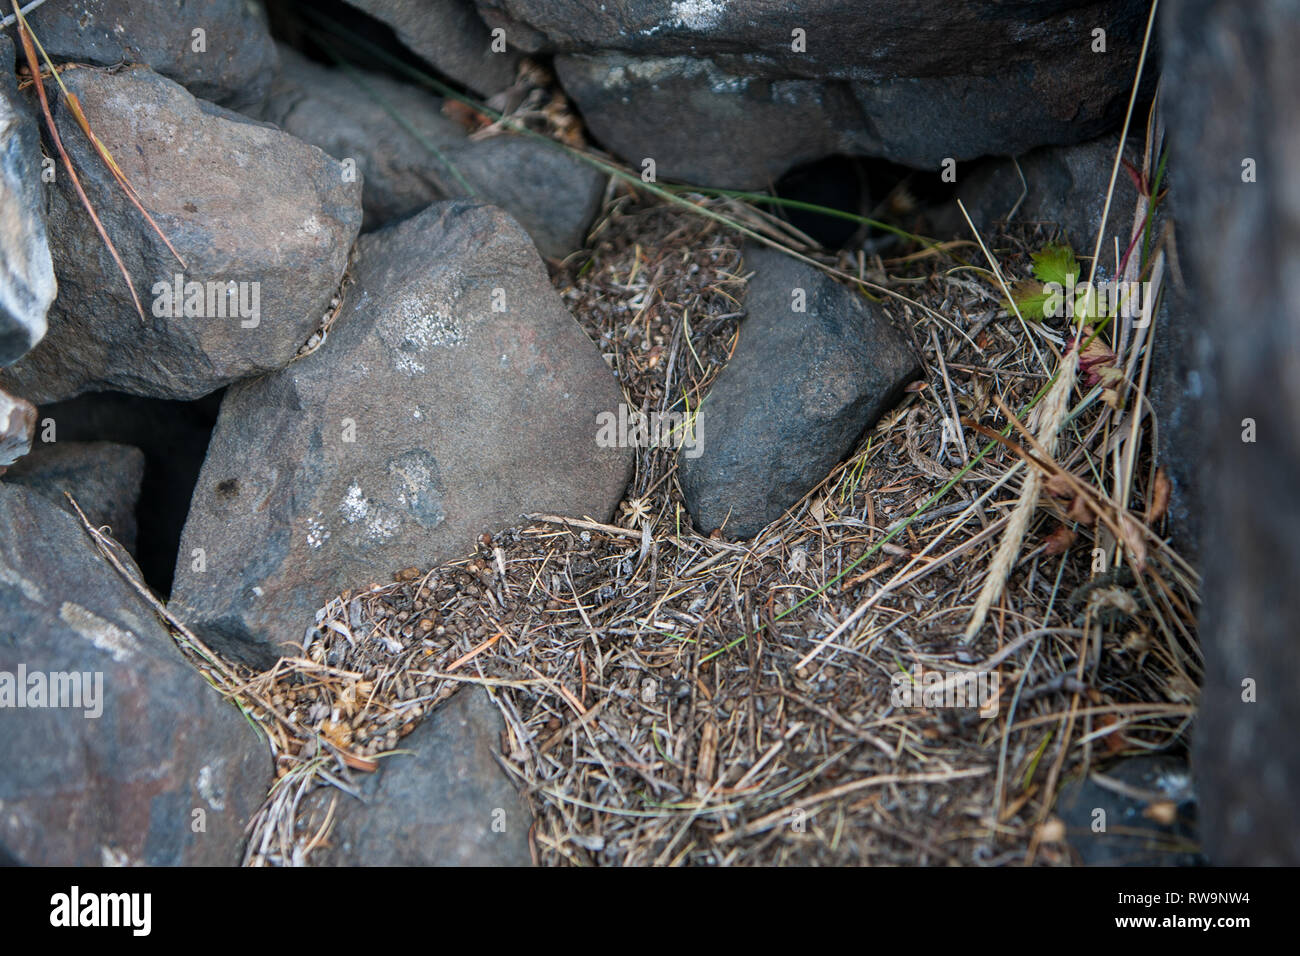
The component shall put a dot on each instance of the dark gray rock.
(450, 35)
(17, 428)
(1229, 92)
(702, 125)
(27, 284)
(103, 477)
(797, 394)
(234, 69)
(446, 803)
(1178, 389)
(916, 83)
(846, 39)
(1139, 812)
(243, 202)
(551, 194)
(150, 754)
(427, 418)
(1064, 186)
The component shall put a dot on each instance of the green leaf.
(1053, 263)
(1031, 298)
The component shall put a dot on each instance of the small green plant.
(1056, 275)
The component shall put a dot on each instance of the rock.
(242, 202)
(17, 428)
(234, 67)
(867, 40)
(913, 82)
(799, 391)
(1177, 390)
(551, 194)
(450, 35)
(103, 477)
(446, 803)
(27, 284)
(174, 439)
(1147, 818)
(426, 419)
(121, 774)
(1234, 128)
(702, 125)
(1066, 186)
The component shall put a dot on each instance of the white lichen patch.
(30, 589)
(413, 325)
(105, 635)
(208, 789)
(696, 14)
(317, 533)
(376, 521)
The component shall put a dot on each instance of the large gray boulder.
(454, 394)
(243, 202)
(114, 749)
(17, 428)
(736, 92)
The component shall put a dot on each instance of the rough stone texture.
(450, 35)
(797, 394)
(243, 202)
(17, 427)
(1131, 836)
(1178, 388)
(174, 439)
(27, 284)
(235, 70)
(1229, 91)
(552, 195)
(121, 787)
(1066, 186)
(463, 418)
(702, 125)
(846, 39)
(446, 804)
(103, 477)
(913, 82)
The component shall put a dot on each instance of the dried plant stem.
(1050, 416)
(29, 52)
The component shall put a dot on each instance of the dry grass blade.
(75, 105)
(33, 65)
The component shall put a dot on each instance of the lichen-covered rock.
(454, 394)
(113, 749)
